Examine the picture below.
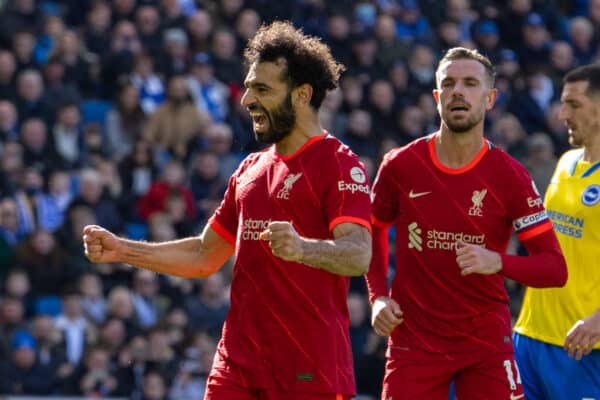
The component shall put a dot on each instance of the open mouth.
(258, 118)
(459, 107)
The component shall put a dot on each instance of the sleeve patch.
(530, 220)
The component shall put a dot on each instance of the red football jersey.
(432, 207)
(288, 322)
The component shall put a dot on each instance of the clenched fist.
(283, 240)
(385, 316)
(100, 245)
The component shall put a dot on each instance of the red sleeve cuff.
(354, 220)
(220, 229)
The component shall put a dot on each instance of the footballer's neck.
(591, 151)
(456, 150)
(306, 128)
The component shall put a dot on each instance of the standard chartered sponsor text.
(440, 240)
(253, 228)
(444, 240)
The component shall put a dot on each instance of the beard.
(463, 125)
(281, 122)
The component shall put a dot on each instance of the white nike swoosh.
(414, 195)
(513, 397)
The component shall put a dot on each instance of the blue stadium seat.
(48, 305)
(94, 111)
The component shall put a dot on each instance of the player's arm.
(386, 313)
(191, 257)
(347, 254)
(376, 277)
(544, 266)
(583, 335)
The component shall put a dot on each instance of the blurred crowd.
(126, 114)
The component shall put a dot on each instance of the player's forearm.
(377, 276)
(180, 258)
(539, 271)
(545, 265)
(347, 256)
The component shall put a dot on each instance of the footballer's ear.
(302, 94)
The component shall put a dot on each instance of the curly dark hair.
(308, 59)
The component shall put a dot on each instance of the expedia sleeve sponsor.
(353, 187)
(529, 220)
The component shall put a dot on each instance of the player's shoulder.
(567, 161)
(406, 153)
(250, 160)
(332, 149)
(503, 162)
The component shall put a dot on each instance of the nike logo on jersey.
(516, 397)
(414, 195)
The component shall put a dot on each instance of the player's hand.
(100, 245)
(386, 315)
(582, 337)
(475, 259)
(283, 240)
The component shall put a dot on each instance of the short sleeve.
(347, 191)
(384, 196)
(224, 221)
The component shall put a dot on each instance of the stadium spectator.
(219, 141)
(176, 122)
(30, 100)
(12, 319)
(120, 305)
(208, 93)
(155, 387)
(338, 35)
(150, 306)
(581, 34)
(149, 84)
(8, 69)
(8, 121)
(92, 194)
(227, 63)
(137, 172)
(96, 379)
(22, 373)
(18, 285)
(208, 310)
(540, 160)
(148, 23)
(96, 36)
(9, 237)
(132, 366)
(112, 336)
(172, 180)
(92, 298)
(174, 58)
(117, 63)
(23, 44)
